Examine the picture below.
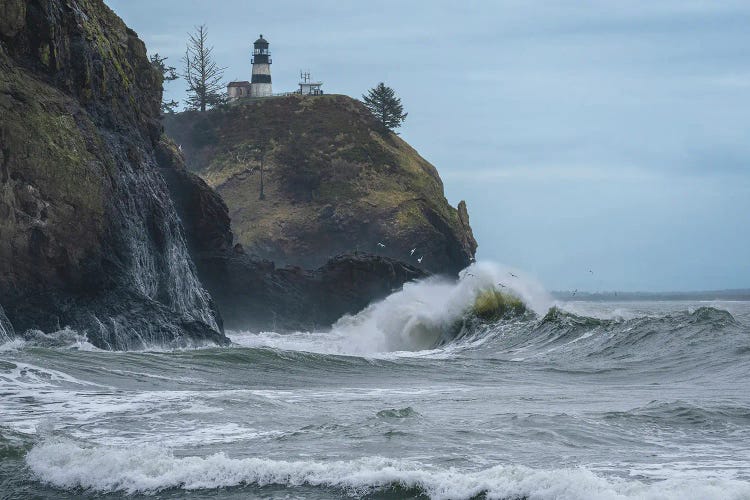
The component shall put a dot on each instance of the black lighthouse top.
(261, 54)
(261, 44)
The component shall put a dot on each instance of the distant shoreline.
(739, 294)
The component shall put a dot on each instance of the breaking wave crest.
(66, 464)
(421, 316)
(421, 320)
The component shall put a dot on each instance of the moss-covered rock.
(12, 16)
(334, 181)
(88, 233)
(255, 294)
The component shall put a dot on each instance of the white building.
(307, 86)
(238, 90)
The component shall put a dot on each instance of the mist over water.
(573, 400)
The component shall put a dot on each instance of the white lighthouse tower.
(260, 83)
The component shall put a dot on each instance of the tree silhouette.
(386, 107)
(203, 75)
(168, 74)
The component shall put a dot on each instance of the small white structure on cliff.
(307, 86)
(238, 90)
(260, 82)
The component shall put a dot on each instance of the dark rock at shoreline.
(6, 328)
(253, 293)
(89, 237)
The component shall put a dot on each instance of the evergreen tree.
(203, 75)
(168, 74)
(386, 107)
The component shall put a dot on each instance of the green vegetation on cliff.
(89, 237)
(334, 179)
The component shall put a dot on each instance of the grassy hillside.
(334, 181)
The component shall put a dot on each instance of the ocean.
(577, 400)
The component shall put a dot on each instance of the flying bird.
(381, 245)
(412, 251)
(575, 292)
(502, 286)
(420, 259)
(592, 272)
(513, 275)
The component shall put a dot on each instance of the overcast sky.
(610, 136)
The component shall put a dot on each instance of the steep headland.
(255, 294)
(89, 237)
(93, 238)
(334, 181)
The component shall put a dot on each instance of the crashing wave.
(429, 313)
(148, 469)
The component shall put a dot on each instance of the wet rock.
(89, 237)
(12, 16)
(6, 329)
(253, 293)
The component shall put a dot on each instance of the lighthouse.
(260, 83)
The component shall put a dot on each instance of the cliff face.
(88, 234)
(333, 180)
(6, 329)
(255, 294)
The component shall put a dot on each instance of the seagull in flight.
(420, 259)
(574, 292)
(381, 245)
(513, 275)
(412, 251)
(502, 286)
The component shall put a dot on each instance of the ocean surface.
(593, 400)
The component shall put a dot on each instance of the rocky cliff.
(333, 182)
(254, 294)
(89, 237)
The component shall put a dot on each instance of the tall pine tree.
(386, 107)
(203, 75)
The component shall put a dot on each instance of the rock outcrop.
(254, 294)
(257, 296)
(89, 237)
(333, 180)
(6, 329)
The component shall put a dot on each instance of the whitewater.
(407, 399)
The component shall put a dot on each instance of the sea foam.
(148, 469)
(415, 318)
